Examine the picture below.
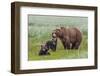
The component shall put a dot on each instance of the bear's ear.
(42, 45)
(62, 27)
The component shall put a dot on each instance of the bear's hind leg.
(76, 46)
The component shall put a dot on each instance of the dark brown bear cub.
(44, 50)
(51, 44)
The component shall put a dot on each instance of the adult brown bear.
(70, 37)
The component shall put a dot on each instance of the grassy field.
(39, 32)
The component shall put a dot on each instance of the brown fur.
(70, 37)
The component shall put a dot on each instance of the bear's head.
(44, 47)
(57, 33)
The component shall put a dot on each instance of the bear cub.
(51, 44)
(44, 50)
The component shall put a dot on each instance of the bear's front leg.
(64, 45)
(68, 45)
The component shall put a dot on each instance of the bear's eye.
(58, 31)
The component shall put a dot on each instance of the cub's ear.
(42, 45)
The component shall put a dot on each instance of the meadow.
(40, 29)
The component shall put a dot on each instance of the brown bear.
(70, 37)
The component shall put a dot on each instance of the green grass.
(34, 47)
